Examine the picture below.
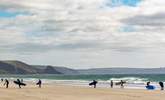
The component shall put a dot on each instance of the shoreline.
(78, 83)
(33, 84)
(63, 92)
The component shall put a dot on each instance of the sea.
(133, 81)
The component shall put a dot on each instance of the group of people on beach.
(121, 83)
(161, 84)
(19, 83)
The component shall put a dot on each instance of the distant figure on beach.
(111, 84)
(150, 87)
(19, 83)
(148, 83)
(122, 84)
(93, 83)
(1, 79)
(39, 83)
(6, 83)
(22, 80)
(161, 85)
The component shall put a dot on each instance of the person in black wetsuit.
(122, 84)
(161, 85)
(148, 83)
(6, 83)
(19, 82)
(39, 83)
(111, 84)
(93, 83)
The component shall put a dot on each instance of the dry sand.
(57, 92)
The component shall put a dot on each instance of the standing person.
(111, 83)
(95, 82)
(21, 80)
(1, 79)
(161, 85)
(6, 83)
(19, 83)
(122, 84)
(39, 83)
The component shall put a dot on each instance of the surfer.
(19, 83)
(122, 84)
(39, 83)
(150, 87)
(1, 79)
(111, 84)
(161, 85)
(93, 83)
(148, 83)
(6, 83)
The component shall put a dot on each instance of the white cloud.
(80, 26)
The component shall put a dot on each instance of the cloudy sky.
(83, 33)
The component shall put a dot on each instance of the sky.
(84, 33)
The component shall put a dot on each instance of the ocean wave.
(130, 80)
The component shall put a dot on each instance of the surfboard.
(19, 83)
(38, 83)
(93, 83)
(150, 87)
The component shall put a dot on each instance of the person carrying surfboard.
(93, 83)
(19, 83)
(39, 83)
(150, 87)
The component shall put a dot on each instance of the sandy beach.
(61, 92)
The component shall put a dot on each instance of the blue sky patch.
(6, 14)
(127, 28)
(117, 3)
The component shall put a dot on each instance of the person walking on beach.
(93, 83)
(39, 83)
(161, 85)
(19, 83)
(122, 84)
(6, 83)
(111, 84)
